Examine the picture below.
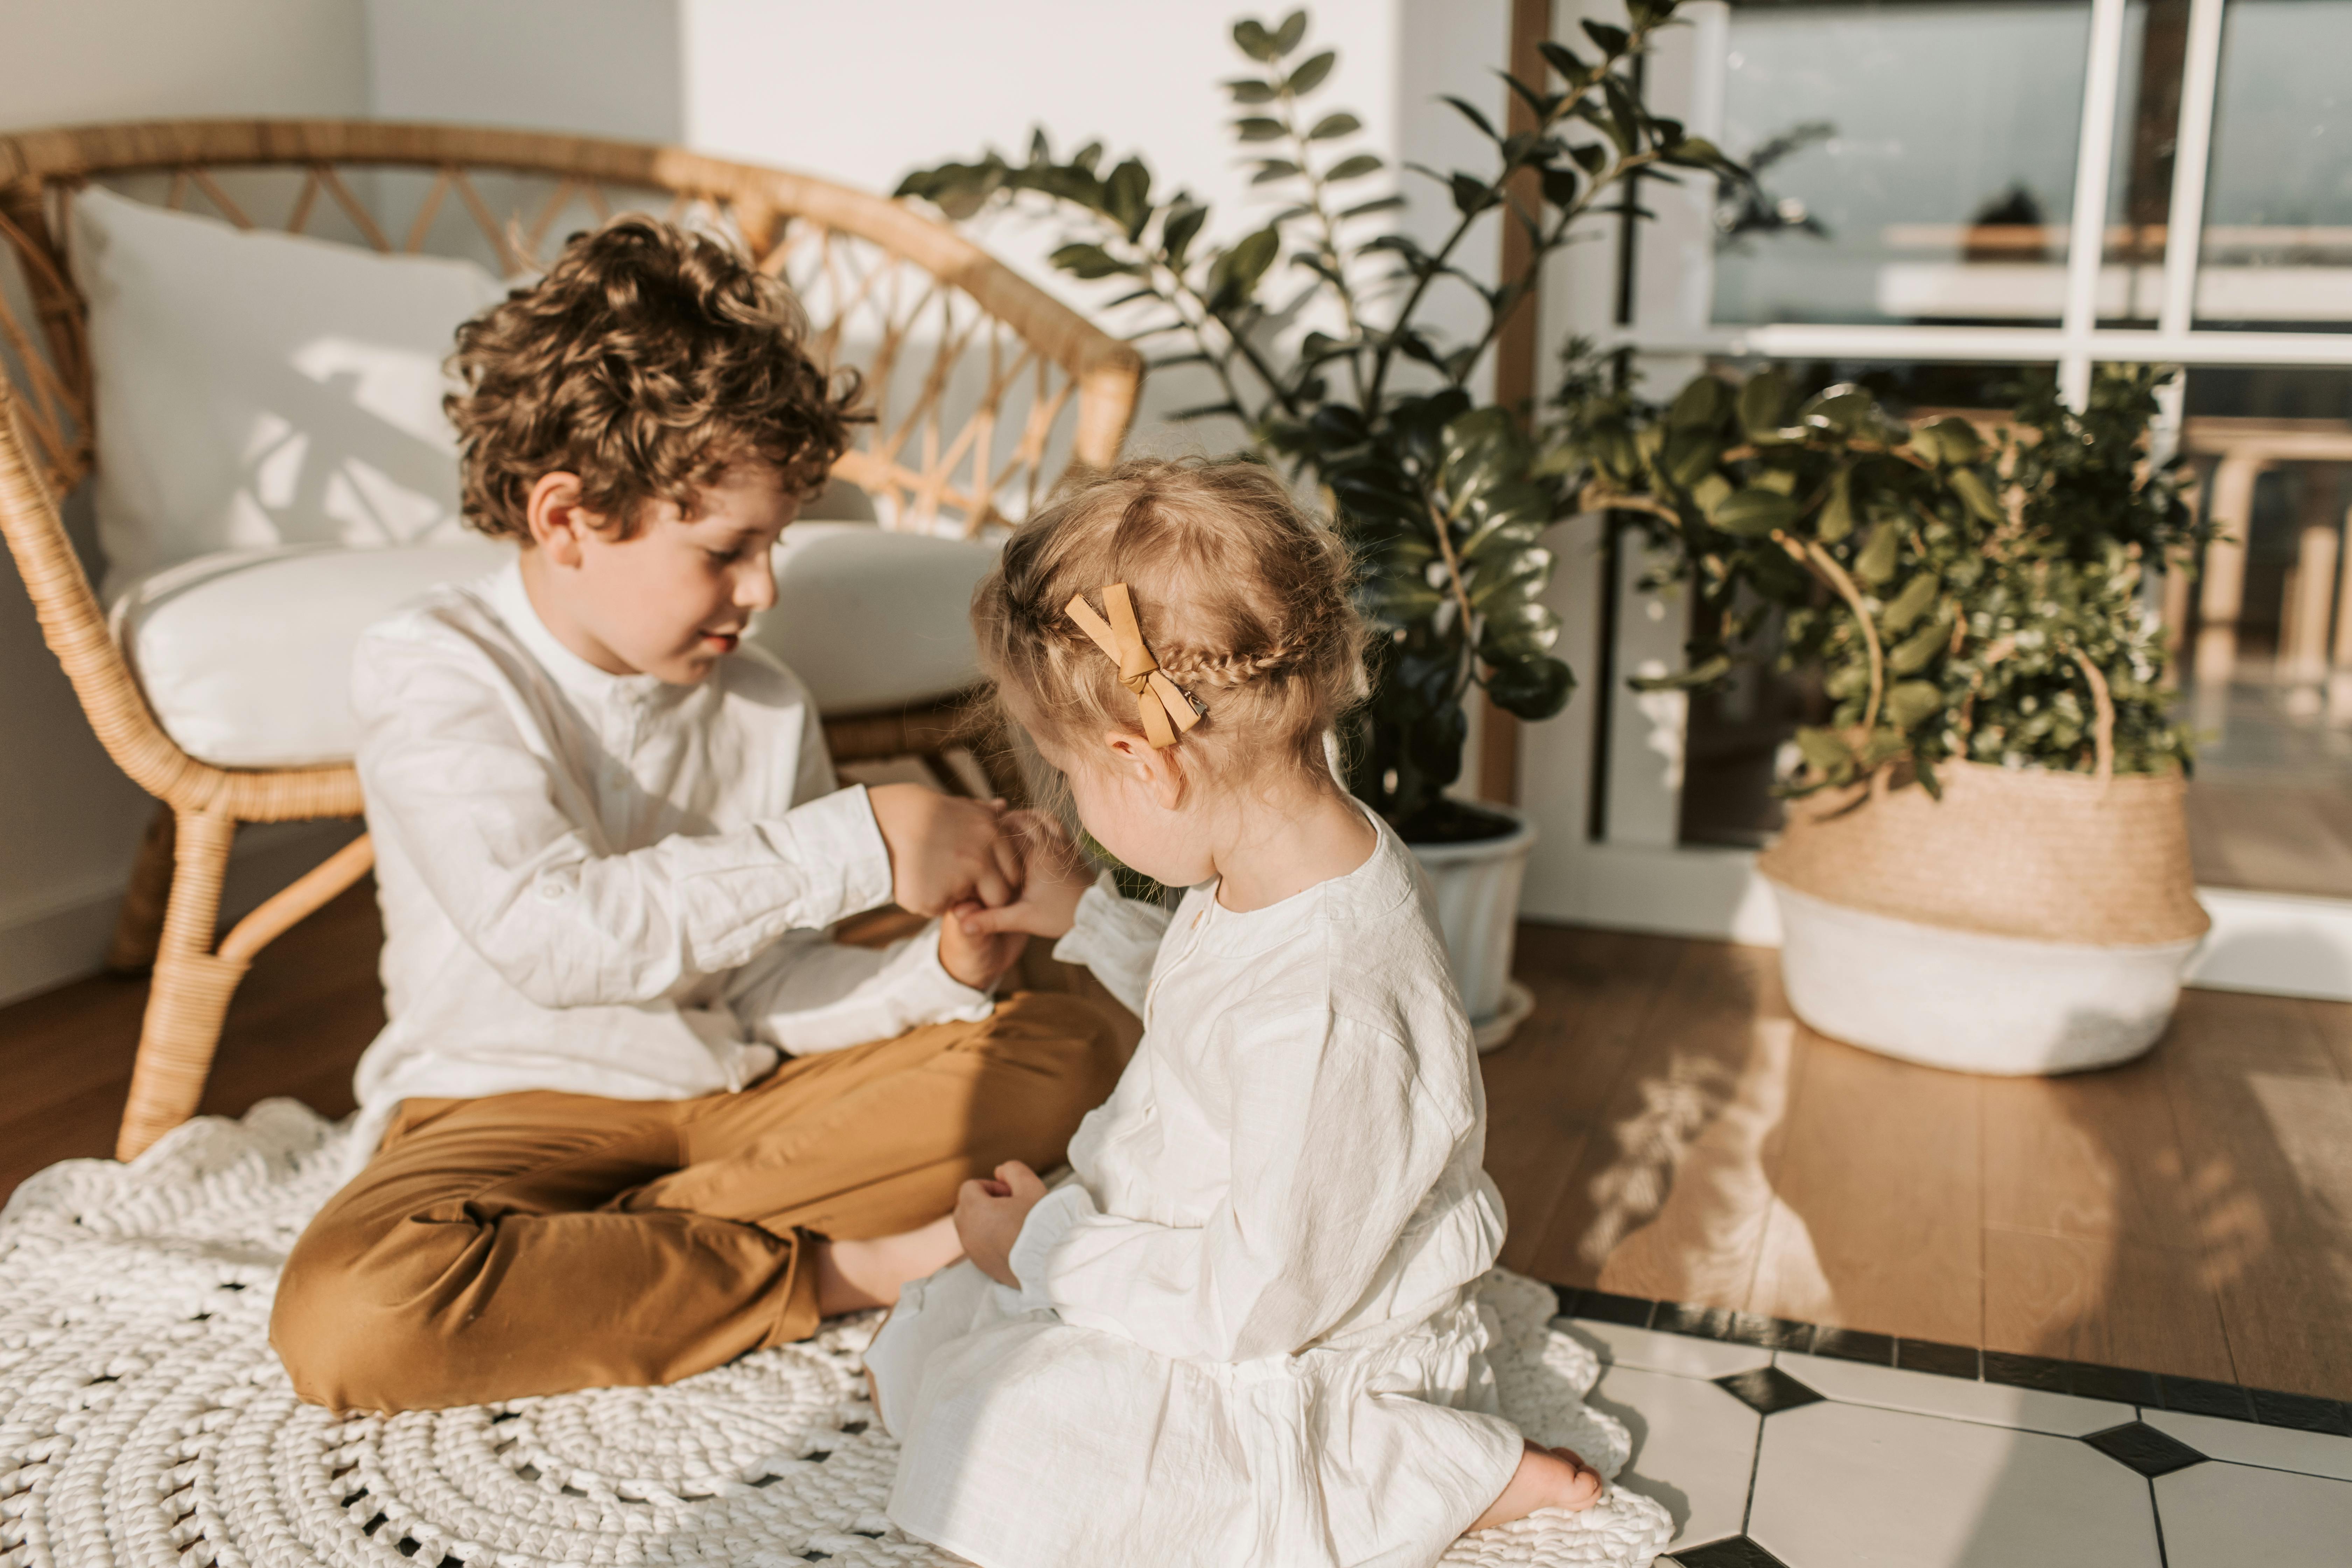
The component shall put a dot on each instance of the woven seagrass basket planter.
(2030, 921)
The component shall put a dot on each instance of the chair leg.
(189, 996)
(139, 927)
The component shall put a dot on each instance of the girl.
(1244, 1332)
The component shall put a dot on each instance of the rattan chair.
(983, 386)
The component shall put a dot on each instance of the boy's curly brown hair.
(645, 361)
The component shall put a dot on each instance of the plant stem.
(1301, 147)
(1439, 521)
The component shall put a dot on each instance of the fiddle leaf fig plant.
(1312, 328)
(1960, 596)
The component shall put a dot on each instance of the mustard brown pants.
(535, 1243)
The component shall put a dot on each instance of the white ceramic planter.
(1477, 890)
(1970, 1002)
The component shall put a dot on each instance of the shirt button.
(551, 891)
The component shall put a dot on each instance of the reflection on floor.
(2270, 805)
(1662, 1129)
(1835, 1450)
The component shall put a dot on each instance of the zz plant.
(1311, 327)
(1959, 597)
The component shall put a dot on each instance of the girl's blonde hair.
(1243, 598)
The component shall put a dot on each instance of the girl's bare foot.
(1547, 1478)
(852, 1275)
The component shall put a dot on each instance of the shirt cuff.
(932, 995)
(1043, 1231)
(835, 834)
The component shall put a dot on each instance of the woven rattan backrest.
(983, 386)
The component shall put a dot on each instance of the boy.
(631, 1115)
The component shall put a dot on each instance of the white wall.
(862, 94)
(72, 820)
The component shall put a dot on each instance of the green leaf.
(1824, 751)
(1127, 194)
(1249, 89)
(1837, 512)
(1272, 169)
(1378, 204)
(1520, 630)
(1177, 230)
(1258, 128)
(1561, 60)
(1089, 261)
(1702, 402)
(1559, 186)
(1470, 113)
(1611, 41)
(1763, 402)
(1354, 168)
(1950, 439)
(1843, 409)
(1754, 513)
(1976, 494)
(1333, 125)
(1255, 40)
(1917, 596)
(1292, 28)
(1472, 194)
(1911, 702)
(1531, 688)
(1234, 276)
(1915, 652)
(1689, 455)
(1311, 72)
(1876, 562)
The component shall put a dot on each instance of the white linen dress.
(1245, 1333)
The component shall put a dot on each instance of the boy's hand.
(1052, 881)
(979, 960)
(943, 850)
(989, 1216)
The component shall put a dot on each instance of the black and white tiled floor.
(1777, 1445)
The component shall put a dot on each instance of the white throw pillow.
(257, 388)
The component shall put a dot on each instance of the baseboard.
(63, 936)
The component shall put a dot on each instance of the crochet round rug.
(146, 1422)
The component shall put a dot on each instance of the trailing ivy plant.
(1312, 328)
(1959, 597)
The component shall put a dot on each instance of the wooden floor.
(1661, 1128)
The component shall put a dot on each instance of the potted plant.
(1986, 863)
(1311, 327)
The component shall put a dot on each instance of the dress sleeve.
(1118, 938)
(808, 994)
(1333, 1152)
(447, 770)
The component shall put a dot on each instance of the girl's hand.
(1053, 879)
(977, 960)
(989, 1216)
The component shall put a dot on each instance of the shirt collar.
(511, 601)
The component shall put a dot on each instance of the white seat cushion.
(246, 655)
(257, 388)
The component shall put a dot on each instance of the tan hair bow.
(1160, 702)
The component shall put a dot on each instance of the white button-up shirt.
(607, 884)
(1246, 1332)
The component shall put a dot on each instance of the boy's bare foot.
(852, 1275)
(1547, 1478)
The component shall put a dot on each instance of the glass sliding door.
(1954, 194)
